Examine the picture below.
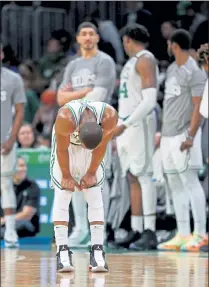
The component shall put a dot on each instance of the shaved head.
(90, 134)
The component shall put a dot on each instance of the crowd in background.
(41, 79)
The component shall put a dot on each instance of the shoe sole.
(97, 269)
(66, 269)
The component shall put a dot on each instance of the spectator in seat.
(27, 71)
(28, 198)
(26, 136)
(55, 58)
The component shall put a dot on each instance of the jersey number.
(123, 93)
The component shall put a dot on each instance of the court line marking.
(19, 258)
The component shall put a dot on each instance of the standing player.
(181, 143)
(81, 133)
(137, 100)
(91, 76)
(12, 95)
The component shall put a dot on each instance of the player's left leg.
(62, 200)
(94, 199)
(198, 204)
(8, 198)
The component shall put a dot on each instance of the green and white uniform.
(79, 158)
(136, 144)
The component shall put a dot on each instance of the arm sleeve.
(33, 199)
(18, 96)
(197, 83)
(66, 82)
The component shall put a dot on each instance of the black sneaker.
(64, 259)
(97, 259)
(148, 241)
(132, 236)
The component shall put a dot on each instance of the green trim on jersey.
(73, 113)
(102, 112)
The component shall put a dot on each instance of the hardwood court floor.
(38, 269)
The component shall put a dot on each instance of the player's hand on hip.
(186, 145)
(70, 184)
(88, 180)
(119, 130)
(157, 139)
(7, 146)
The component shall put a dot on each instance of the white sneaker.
(11, 239)
(78, 237)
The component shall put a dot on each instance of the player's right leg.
(62, 200)
(8, 198)
(136, 213)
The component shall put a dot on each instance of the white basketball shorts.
(79, 161)
(136, 147)
(175, 161)
(8, 162)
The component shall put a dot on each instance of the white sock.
(196, 196)
(137, 223)
(181, 204)
(149, 201)
(61, 235)
(97, 234)
(150, 222)
(10, 223)
(80, 211)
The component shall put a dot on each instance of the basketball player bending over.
(81, 133)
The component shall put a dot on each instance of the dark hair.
(182, 38)
(63, 37)
(90, 134)
(87, 25)
(136, 32)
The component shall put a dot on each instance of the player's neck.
(137, 49)
(182, 58)
(88, 54)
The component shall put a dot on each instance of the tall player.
(81, 133)
(136, 131)
(181, 143)
(12, 95)
(91, 76)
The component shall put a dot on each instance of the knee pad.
(94, 199)
(8, 197)
(62, 200)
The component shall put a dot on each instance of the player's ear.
(97, 38)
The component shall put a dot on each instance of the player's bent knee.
(62, 200)
(94, 199)
(8, 198)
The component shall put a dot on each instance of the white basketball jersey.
(77, 108)
(130, 93)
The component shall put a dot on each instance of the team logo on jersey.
(172, 88)
(3, 96)
(83, 79)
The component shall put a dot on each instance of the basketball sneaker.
(64, 259)
(11, 239)
(174, 244)
(97, 259)
(131, 237)
(148, 241)
(195, 243)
